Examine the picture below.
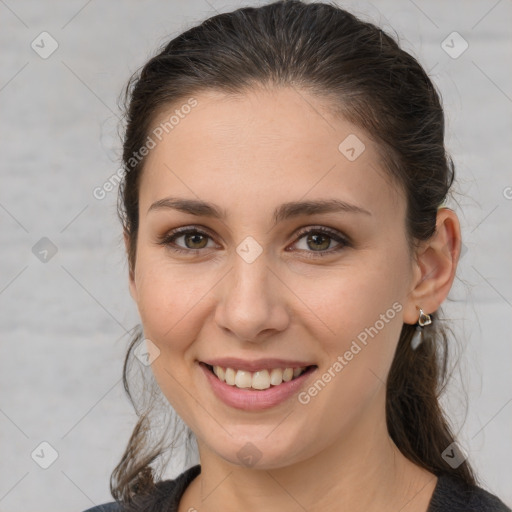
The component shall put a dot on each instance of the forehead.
(261, 147)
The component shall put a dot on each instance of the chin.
(258, 450)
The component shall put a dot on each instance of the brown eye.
(318, 241)
(193, 240)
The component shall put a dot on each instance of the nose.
(252, 302)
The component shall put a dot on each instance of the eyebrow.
(282, 212)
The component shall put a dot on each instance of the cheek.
(166, 295)
(357, 311)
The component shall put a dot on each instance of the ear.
(131, 276)
(435, 267)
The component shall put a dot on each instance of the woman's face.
(271, 291)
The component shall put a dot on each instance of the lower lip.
(250, 400)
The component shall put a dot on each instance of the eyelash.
(169, 238)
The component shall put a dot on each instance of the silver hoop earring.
(418, 337)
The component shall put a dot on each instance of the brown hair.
(365, 75)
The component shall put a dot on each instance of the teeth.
(230, 375)
(243, 379)
(261, 379)
(276, 376)
(221, 373)
(288, 374)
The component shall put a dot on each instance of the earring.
(418, 336)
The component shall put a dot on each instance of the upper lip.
(257, 364)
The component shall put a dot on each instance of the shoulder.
(454, 495)
(166, 492)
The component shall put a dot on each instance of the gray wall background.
(65, 314)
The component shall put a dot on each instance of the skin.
(333, 453)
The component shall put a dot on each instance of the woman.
(289, 253)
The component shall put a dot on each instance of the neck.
(363, 471)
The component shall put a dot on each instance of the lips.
(254, 399)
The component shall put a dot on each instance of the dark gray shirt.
(450, 495)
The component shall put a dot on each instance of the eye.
(320, 238)
(195, 241)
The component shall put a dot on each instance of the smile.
(259, 380)
(256, 390)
